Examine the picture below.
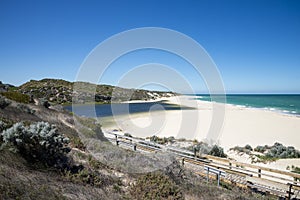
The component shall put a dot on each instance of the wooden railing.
(278, 182)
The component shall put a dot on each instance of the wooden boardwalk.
(284, 184)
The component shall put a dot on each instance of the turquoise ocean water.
(288, 104)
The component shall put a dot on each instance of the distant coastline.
(283, 103)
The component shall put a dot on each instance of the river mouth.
(116, 109)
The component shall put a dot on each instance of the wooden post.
(207, 178)
(195, 152)
(134, 147)
(259, 173)
(117, 142)
(218, 176)
(290, 191)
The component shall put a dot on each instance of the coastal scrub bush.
(89, 177)
(39, 142)
(25, 108)
(201, 147)
(204, 148)
(2, 126)
(275, 152)
(217, 151)
(260, 149)
(44, 102)
(246, 149)
(17, 96)
(3, 102)
(155, 186)
(280, 151)
(163, 140)
(5, 124)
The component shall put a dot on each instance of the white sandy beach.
(241, 125)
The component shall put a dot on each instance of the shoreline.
(271, 109)
(242, 125)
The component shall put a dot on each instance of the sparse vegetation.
(61, 92)
(89, 177)
(25, 108)
(77, 143)
(3, 102)
(246, 149)
(155, 186)
(16, 96)
(163, 140)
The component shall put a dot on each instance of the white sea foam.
(240, 106)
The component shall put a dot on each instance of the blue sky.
(255, 44)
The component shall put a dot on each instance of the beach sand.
(241, 125)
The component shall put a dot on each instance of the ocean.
(287, 104)
(284, 103)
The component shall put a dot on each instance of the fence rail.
(277, 182)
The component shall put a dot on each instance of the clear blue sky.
(255, 44)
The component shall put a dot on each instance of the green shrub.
(40, 142)
(217, 151)
(155, 186)
(163, 140)
(280, 151)
(77, 143)
(87, 176)
(16, 96)
(44, 102)
(201, 147)
(25, 108)
(204, 148)
(260, 149)
(246, 149)
(3, 102)
(5, 124)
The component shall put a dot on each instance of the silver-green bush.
(40, 142)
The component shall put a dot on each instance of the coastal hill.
(47, 153)
(58, 91)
